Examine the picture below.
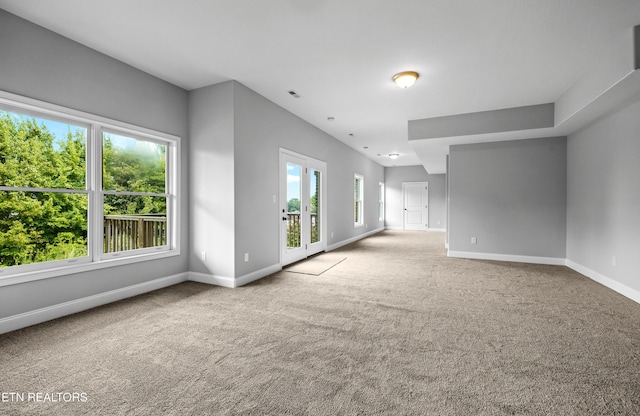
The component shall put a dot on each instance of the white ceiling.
(340, 55)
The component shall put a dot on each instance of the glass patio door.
(315, 182)
(302, 207)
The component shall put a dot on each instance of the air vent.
(294, 94)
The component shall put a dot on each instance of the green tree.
(313, 205)
(133, 169)
(293, 205)
(39, 225)
(35, 225)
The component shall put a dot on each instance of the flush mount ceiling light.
(405, 79)
(393, 155)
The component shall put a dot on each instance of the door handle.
(284, 218)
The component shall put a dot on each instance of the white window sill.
(7, 278)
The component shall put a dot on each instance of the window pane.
(380, 201)
(133, 222)
(42, 226)
(357, 200)
(294, 175)
(315, 178)
(40, 153)
(133, 165)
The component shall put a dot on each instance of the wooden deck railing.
(293, 229)
(130, 232)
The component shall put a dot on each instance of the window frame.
(358, 209)
(380, 201)
(103, 192)
(95, 258)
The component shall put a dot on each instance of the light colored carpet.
(398, 329)
(317, 265)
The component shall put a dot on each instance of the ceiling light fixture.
(405, 79)
(393, 155)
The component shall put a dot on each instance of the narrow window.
(358, 200)
(380, 201)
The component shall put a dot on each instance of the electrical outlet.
(474, 240)
(331, 234)
(203, 256)
(614, 261)
(246, 256)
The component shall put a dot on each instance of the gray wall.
(40, 64)
(603, 199)
(211, 169)
(511, 196)
(394, 204)
(260, 129)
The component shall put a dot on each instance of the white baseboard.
(353, 239)
(507, 257)
(212, 279)
(426, 229)
(23, 320)
(234, 282)
(258, 274)
(614, 285)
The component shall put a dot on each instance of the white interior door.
(416, 205)
(303, 207)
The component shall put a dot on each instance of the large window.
(358, 200)
(77, 190)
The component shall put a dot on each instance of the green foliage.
(314, 204)
(38, 226)
(293, 205)
(133, 169)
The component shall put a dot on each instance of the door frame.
(425, 207)
(308, 163)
